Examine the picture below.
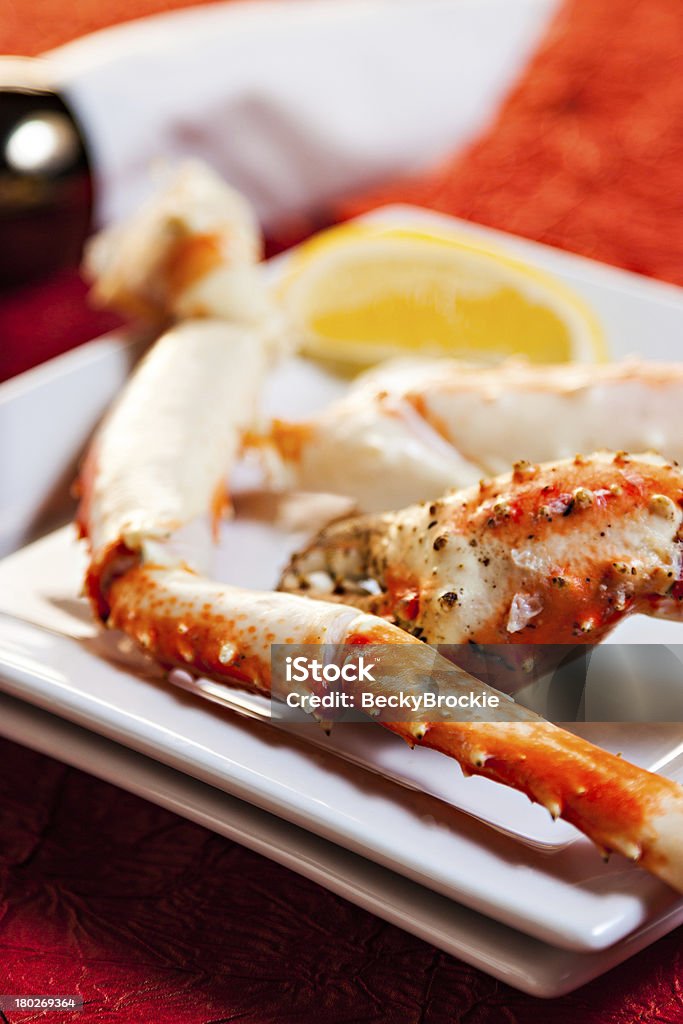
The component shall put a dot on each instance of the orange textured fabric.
(587, 152)
(29, 27)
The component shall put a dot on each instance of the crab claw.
(550, 554)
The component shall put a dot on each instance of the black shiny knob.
(46, 185)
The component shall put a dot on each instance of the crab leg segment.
(160, 458)
(226, 632)
(411, 429)
(551, 554)
(619, 806)
(191, 251)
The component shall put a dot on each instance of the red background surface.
(154, 920)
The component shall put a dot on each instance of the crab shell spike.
(554, 808)
(478, 758)
(419, 731)
(629, 850)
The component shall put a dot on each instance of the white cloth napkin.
(294, 102)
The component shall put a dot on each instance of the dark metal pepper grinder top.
(46, 188)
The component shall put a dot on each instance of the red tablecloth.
(156, 920)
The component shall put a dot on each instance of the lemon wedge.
(360, 293)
